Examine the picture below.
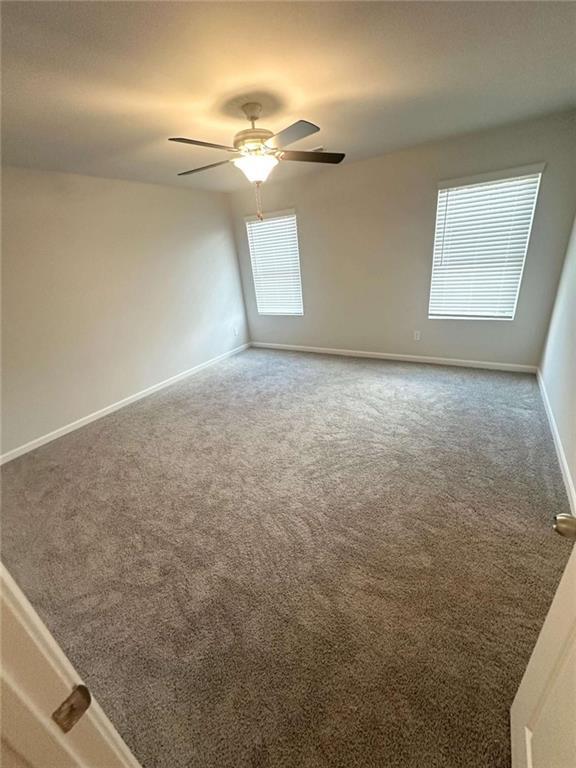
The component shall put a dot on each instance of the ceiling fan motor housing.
(252, 139)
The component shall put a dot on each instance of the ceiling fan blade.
(312, 157)
(294, 132)
(203, 144)
(203, 168)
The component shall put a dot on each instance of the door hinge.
(72, 708)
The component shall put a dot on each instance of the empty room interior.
(288, 384)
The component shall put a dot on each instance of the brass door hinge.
(72, 708)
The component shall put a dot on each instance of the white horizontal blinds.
(480, 244)
(276, 264)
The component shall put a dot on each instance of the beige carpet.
(299, 561)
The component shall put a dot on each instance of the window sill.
(281, 314)
(469, 317)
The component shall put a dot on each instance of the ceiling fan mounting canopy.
(252, 110)
(257, 150)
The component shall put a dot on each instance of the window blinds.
(480, 244)
(276, 264)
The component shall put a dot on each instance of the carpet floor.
(299, 561)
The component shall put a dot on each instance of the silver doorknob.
(565, 525)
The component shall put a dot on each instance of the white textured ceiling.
(98, 87)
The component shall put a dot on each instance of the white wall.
(366, 234)
(558, 369)
(109, 287)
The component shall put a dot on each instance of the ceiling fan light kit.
(258, 151)
(256, 167)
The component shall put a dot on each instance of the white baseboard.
(37, 442)
(563, 461)
(517, 367)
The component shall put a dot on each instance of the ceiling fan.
(257, 151)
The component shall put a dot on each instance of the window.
(276, 264)
(482, 234)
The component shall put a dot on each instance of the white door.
(543, 715)
(36, 678)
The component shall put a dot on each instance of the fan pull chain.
(259, 214)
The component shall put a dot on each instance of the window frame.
(275, 215)
(482, 178)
